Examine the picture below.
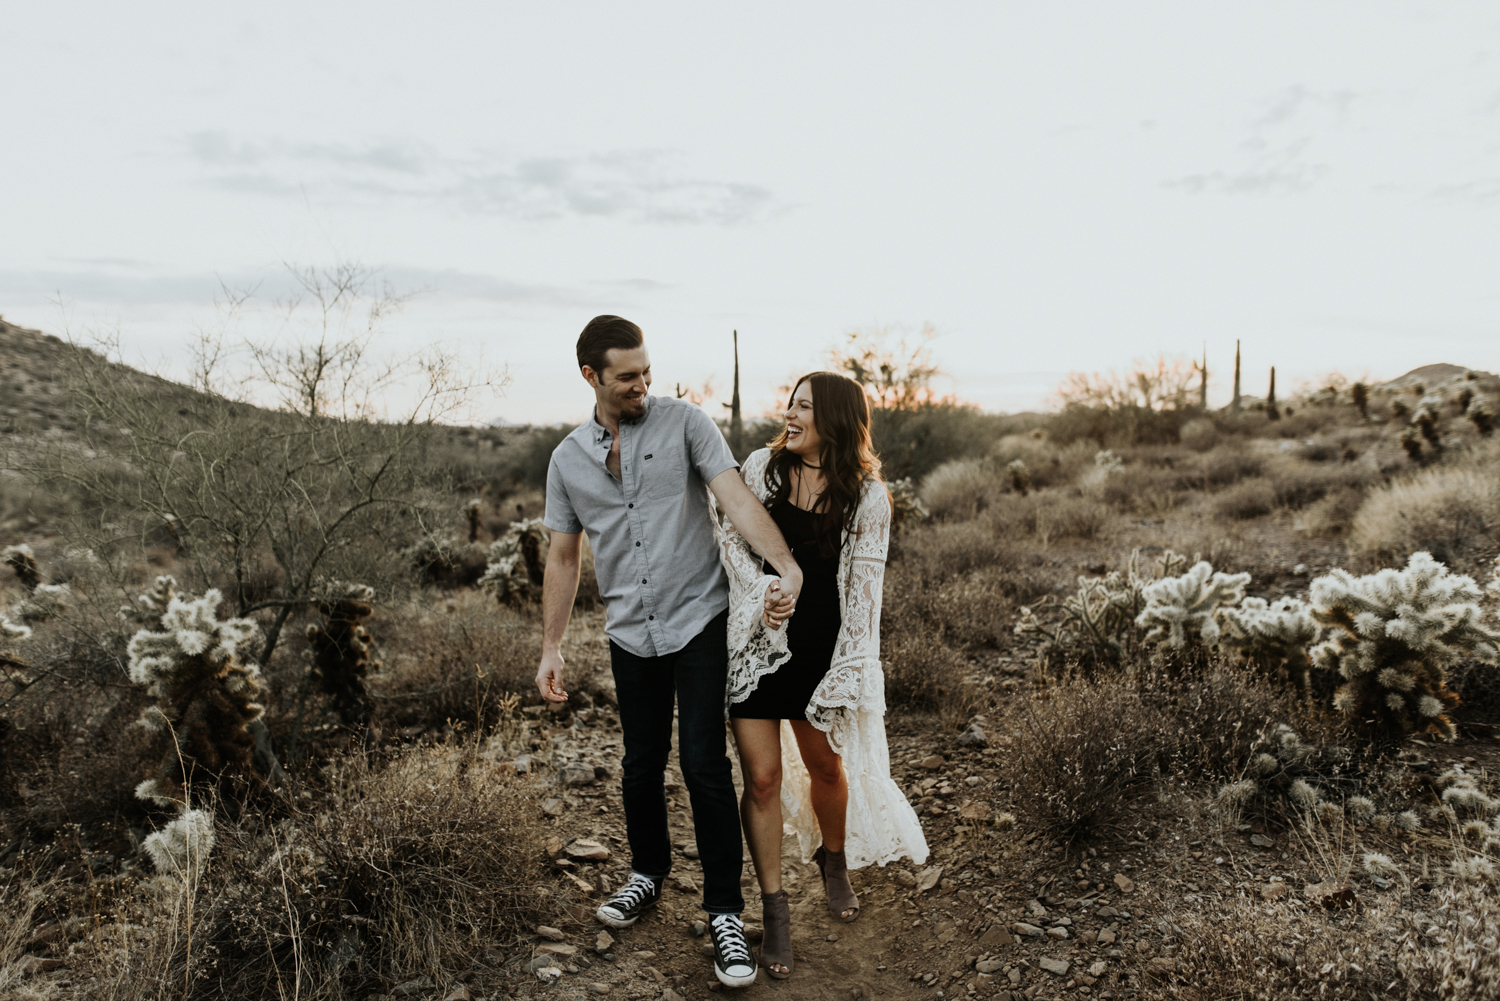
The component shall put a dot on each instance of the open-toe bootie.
(842, 902)
(776, 943)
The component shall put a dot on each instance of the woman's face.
(801, 431)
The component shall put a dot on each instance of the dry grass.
(1448, 511)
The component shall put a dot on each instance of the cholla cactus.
(1176, 605)
(1103, 609)
(23, 561)
(341, 648)
(1429, 412)
(181, 848)
(1020, 476)
(1481, 413)
(1359, 395)
(1411, 441)
(514, 574)
(1281, 776)
(1108, 461)
(205, 690)
(45, 601)
(1274, 636)
(148, 608)
(471, 513)
(1395, 633)
(905, 504)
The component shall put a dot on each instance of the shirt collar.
(601, 433)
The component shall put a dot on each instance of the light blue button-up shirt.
(654, 550)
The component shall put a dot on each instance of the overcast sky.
(1052, 186)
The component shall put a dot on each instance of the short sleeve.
(559, 516)
(707, 449)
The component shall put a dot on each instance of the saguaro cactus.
(1271, 410)
(1394, 634)
(1235, 405)
(1359, 394)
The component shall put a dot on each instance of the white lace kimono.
(849, 704)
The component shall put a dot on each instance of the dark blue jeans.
(646, 687)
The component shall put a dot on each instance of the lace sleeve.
(854, 679)
(754, 649)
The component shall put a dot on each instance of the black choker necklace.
(809, 465)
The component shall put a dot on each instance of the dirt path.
(944, 936)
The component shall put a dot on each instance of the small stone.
(1106, 937)
(691, 851)
(540, 963)
(1274, 891)
(576, 773)
(933, 762)
(1106, 912)
(599, 988)
(557, 949)
(928, 878)
(905, 878)
(553, 807)
(1261, 841)
(418, 986)
(459, 993)
(686, 884)
(1124, 882)
(1160, 966)
(643, 954)
(707, 948)
(697, 928)
(603, 942)
(549, 975)
(1035, 909)
(831, 937)
(1058, 933)
(670, 995)
(1030, 931)
(972, 781)
(995, 938)
(973, 737)
(1057, 966)
(609, 957)
(587, 851)
(975, 811)
(554, 848)
(989, 965)
(1097, 970)
(522, 765)
(550, 934)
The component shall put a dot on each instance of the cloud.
(108, 286)
(632, 185)
(1274, 153)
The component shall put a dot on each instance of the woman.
(817, 680)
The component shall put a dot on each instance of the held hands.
(549, 677)
(781, 599)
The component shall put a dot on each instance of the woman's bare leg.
(759, 744)
(830, 788)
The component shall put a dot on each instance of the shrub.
(1334, 514)
(1224, 466)
(1079, 750)
(1395, 634)
(1199, 434)
(1297, 484)
(1101, 614)
(1271, 637)
(960, 489)
(1251, 499)
(1070, 518)
(1446, 511)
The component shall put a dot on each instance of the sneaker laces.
(637, 890)
(729, 936)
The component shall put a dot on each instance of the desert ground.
(1182, 705)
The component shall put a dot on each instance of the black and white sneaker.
(732, 962)
(629, 902)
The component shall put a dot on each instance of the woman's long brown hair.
(841, 414)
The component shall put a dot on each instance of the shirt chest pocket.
(663, 472)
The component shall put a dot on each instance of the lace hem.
(754, 650)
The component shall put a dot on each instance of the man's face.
(621, 387)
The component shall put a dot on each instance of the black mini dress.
(812, 633)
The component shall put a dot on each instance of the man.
(633, 477)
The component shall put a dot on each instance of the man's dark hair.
(605, 332)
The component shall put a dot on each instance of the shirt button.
(643, 580)
(651, 617)
(637, 545)
(630, 505)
